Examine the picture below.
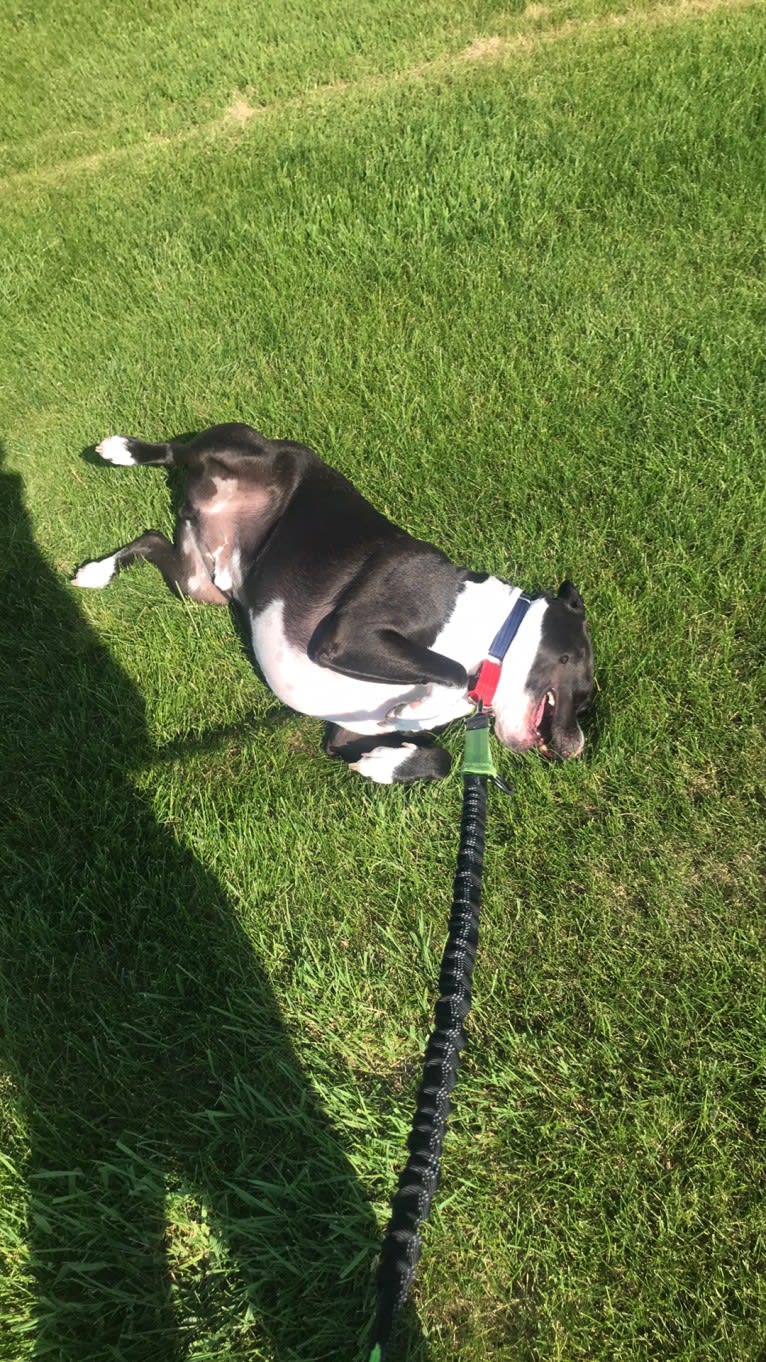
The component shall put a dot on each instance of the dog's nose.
(570, 745)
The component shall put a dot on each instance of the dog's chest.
(365, 707)
(360, 706)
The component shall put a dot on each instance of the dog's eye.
(564, 657)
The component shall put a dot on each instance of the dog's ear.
(571, 597)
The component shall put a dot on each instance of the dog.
(350, 618)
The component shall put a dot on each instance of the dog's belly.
(360, 706)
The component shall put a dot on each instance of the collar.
(483, 690)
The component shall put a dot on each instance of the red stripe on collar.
(483, 691)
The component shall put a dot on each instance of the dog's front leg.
(348, 644)
(388, 760)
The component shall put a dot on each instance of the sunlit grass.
(520, 301)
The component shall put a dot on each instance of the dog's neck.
(480, 609)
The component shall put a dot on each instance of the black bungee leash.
(419, 1178)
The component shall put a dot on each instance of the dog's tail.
(221, 443)
(122, 449)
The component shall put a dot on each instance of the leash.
(419, 1178)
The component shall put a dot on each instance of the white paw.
(114, 449)
(382, 762)
(97, 573)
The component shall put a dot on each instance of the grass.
(506, 270)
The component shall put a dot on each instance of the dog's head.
(547, 678)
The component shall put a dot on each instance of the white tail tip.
(114, 449)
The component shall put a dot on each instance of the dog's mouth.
(543, 723)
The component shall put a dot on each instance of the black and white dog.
(350, 618)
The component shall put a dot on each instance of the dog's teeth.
(551, 698)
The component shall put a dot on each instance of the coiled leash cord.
(419, 1178)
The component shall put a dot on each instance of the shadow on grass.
(154, 1073)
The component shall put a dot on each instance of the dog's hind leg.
(389, 759)
(181, 564)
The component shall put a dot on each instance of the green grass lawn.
(506, 270)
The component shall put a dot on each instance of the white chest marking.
(365, 706)
(514, 704)
(479, 611)
(360, 706)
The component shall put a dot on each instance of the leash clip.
(477, 757)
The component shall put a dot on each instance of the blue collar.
(509, 629)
